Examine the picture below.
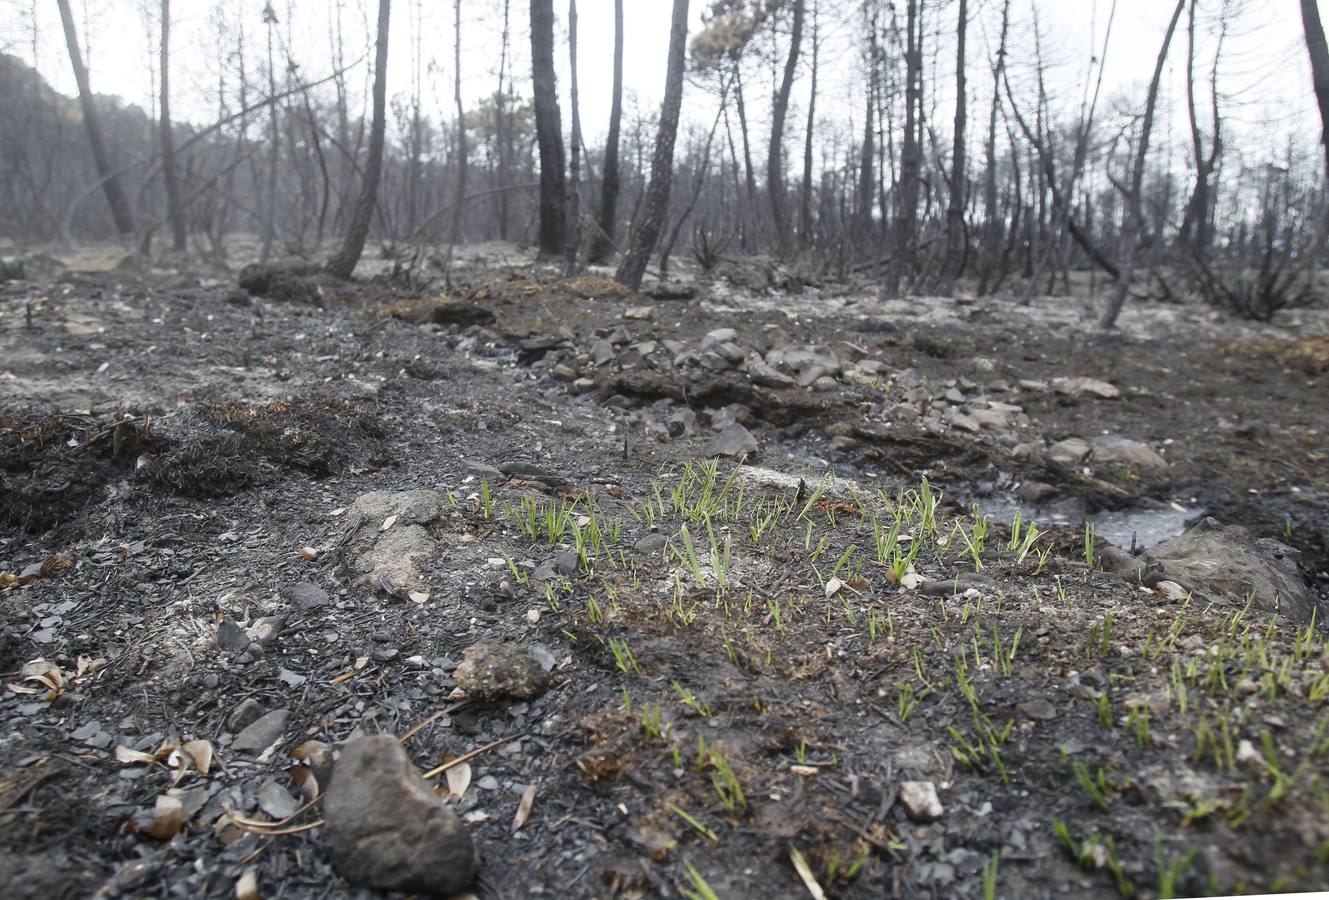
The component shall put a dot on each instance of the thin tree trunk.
(573, 237)
(549, 131)
(343, 264)
(647, 232)
(603, 244)
(750, 176)
(170, 174)
(993, 220)
(1319, 53)
(274, 147)
(1134, 218)
(458, 214)
(501, 127)
(111, 187)
(905, 260)
(956, 244)
(775, 156)
(805, 204)
(698, 181)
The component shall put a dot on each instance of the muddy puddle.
(1132, 527)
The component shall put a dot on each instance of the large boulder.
(1226, 563)
(388, 830)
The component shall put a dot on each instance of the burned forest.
(714, 449)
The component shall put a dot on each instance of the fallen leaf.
(459, 779)
(805, 873)
(388, 522)
(304, 778)
(524, 808)
(168, 817)
(201, 751)
(419, 596)
(246, 886)
(309, 554)
(132, 757)
(833, 587)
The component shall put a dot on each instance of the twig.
(434, 773)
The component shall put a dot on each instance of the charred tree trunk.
(749, 173)
(993, 219)
(573, 237)
(170, 173)
(662, 163)
(343, 264)
(111, 187)
(1319, 52)
(956, 243)
(805, 199)
(603, 244)
(775, 156)
(459, 212)
(274, 147)
(1134, 218)
(548, 130)
(905, 261)
(1197, 222)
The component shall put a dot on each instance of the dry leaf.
(201, 751)
(419, 596)
(246, 886)
(805, 873)
(132, 757)
(388, 522)
(459, 779)
(305, 780)
(833, 587)
(168, 817)
(524, 808)
(309, 554)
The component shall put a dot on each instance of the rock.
(602, 352)
(583, 385)
(388, 830)
(410, 507)
(566, 562)
(290, 280)
(652, 543)
(800, 357)
(481, 470)
(531, 472)
(275, 800)
(245, 714)
(732, 353)
(1227, 563)
(1079, 387)
(1117, 561)
(563, 372)
(920, 801)
(306, 596)
(262, 733)
(266, 629)
(1120, 451)
(1038, 709)
(718, 336)
(231, 636)
(735, 441)
(639, 312)
(1070, 452)
(1035, 491)
(494, 671)
(396, 557)
(824, 383)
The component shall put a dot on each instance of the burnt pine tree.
(170, 173)
(343, 264)
(775, 156)
(1319, 51)
(548, 130)
(662, 163)
(603, 243)
(115, 194)
(572, 224)
(956, 243)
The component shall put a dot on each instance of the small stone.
(231, 636)
(276, 801)
(825, 383)
(388, 830)
(1035, 491)
(1093, 387)
(583, 385)
(1118, 451)
(652, 543)
(265, 630)
(563, 372)
(718, 336)
(1247, 755)
(493, 671)
(263, 733)
(639, 312)
(246, 713)
(920, 801)
(735, 441)
(1038, 709)
(566, 562)
(306, 596)
(602, 352)
(1070, 452)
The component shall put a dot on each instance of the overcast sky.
(1265, 75)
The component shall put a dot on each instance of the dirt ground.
(823, 670)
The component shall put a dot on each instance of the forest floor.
(237, 531)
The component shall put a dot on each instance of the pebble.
(920, 801)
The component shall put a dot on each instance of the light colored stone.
(921, 801)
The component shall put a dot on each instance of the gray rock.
(396, 556)
(735, 441)
(1038, 709)
(262, 733)
(799, 357)
(275, 800)
(1119, 451)
(494, 671)
(306, 596)
(481, 470)
(1070, 452)
(1227, 563)
(1079, 387)
(921, 801)
(713, 361)
(265, 630)
(639, 312)
(718, 336)
(563, 372)
(388, 830)
(583, 385)
(602, 352)
(652, 543)
(824, 383)
(410, 507)
(231, 636)
(246, 713)
(531, 471)
(566, 562)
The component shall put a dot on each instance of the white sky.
(1265, 76)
